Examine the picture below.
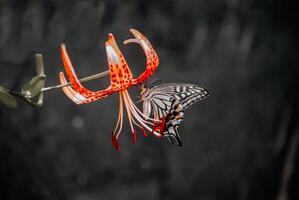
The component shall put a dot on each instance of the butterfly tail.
(171, 134)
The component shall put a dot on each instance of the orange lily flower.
(121, 79)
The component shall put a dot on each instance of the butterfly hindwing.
(165, 105)
(169, 101)
(173, 121)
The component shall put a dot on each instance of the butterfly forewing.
(187, 94)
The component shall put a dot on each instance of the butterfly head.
(144, 90)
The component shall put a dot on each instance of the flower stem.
(92, 77)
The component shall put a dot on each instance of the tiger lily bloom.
(121, 79)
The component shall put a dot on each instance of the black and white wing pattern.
(168, 101)
(186, 94)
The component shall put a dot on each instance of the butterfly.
(167, 104)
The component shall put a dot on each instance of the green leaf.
(34, 86)
(7, 99)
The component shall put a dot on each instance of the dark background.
(240, 143)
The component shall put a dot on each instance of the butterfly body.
(168, 102)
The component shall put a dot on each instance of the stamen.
(136, 117)
(131, 108)
(135, 114)
(134, 137)
(115, 143)
(128, 110)
(119, 123)
(134, 107)
(143, 131)
(139, 118)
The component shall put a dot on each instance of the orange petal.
(70, 92)
(120, 74)
(77, 88)
(152, 60)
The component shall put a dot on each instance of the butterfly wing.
(169, 101)
(173, 121)
(147, 108)
(167, 107)
(186, 94)
(161, 104)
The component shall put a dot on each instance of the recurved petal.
(77, 87)
(120, 74)
(152, 60)
(70, 92)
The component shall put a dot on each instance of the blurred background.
(240, 143)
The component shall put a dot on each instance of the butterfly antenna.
(153, 82)
(137, 99)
